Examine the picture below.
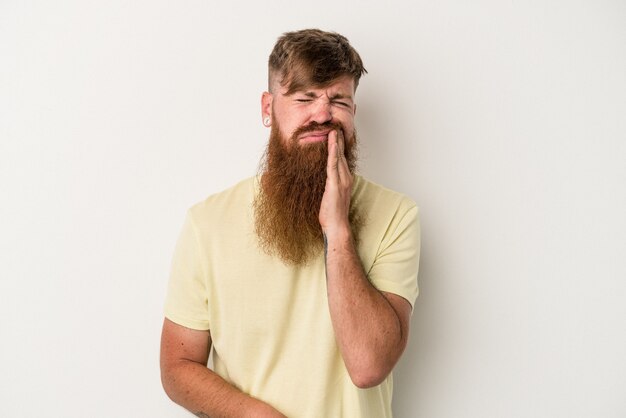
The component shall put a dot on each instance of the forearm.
(367, 327)
(370, 327)
(206, 394)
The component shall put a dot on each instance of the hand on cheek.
(335, 206)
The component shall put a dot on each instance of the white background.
(504, 120)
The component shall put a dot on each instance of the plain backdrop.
(504, 120)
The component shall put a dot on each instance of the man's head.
(312, 80)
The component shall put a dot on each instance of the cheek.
(284, 122)
(348, 126)
(292, 119)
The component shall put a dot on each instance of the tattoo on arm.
(326, 254)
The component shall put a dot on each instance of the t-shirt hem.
(186, 322)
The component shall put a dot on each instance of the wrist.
(339, 236)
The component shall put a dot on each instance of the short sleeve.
(396, 265)
(186, 302)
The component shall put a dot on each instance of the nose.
(322, 112)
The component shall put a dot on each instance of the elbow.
(170, 378)
(167, 382)
(368, 376)
(368, 382)
(371, 368)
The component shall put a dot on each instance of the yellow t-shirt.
(270, 324)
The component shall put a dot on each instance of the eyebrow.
(333, 97)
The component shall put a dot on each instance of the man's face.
(333, 103)
(294, 170)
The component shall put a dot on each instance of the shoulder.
(389, 240)
(370, 196)
(233, 201)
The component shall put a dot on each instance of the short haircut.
(312, 57)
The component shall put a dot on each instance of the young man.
(302, 279)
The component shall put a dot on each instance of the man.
(302, 279)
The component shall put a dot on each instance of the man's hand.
(371, 327)
(335, 206)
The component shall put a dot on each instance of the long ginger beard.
(293, 179)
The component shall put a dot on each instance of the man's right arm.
(188, 382)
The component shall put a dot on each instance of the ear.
(354, 110)
(266, 105)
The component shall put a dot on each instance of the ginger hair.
(312, 57)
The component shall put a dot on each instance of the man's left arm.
(371, 327)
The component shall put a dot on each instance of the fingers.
(340, 144)
(337, 167)
(332, 170)
(342, 164)
(335, 206)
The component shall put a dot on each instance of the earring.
(266, 121)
